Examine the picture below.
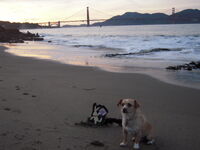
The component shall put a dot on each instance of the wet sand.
(40, 101)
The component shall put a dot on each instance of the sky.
(58, 10)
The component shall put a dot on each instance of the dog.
(134, 123)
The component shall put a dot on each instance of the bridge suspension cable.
(102, 12)
(74, 14)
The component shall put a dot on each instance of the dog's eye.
(129, 105)
(123, 104)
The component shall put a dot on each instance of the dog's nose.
(124, 110)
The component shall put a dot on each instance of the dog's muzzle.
(124, 110)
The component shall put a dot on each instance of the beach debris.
(98, 115)
(97, 143)
(98, 118)
(190, 66)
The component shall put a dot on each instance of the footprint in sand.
(19, 137)
(17, 87)
(37, 142)
(4, 134)
(3, 100)
(34, 96)
(28, 148)
(17, 111)
(38, 130)
(89, 89)
(13, 110)
(25, 93)
(7, 109)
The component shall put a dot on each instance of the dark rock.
(16, 41)
(15, 36)
(172, 68)
(190, 66)
(192, 63)
(198, 65)
(38, 39)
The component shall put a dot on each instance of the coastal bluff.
(15, 36)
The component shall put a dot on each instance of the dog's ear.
(120, 102)
(136, 104)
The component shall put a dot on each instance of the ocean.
(146, 49)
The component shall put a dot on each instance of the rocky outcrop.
(15, 36)
(190, 66)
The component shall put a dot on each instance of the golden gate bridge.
(87, 20)
(58, 23)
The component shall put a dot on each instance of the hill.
(135, 18)
(9, 25)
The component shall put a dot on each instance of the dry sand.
(41, 100)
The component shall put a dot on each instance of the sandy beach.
(40, 102)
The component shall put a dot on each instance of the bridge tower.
(173, 11)
(88, 17)
(58, 24)
(173, 16)
(49, 24)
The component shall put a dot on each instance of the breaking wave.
(144, 52)
(160, 42)
(97, 47)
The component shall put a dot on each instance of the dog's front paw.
(136, 146)
(123, 144)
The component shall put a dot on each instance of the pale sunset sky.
(55, 10)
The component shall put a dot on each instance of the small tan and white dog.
(134, 123)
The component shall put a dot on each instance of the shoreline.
(41, 100)
(76, 57)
